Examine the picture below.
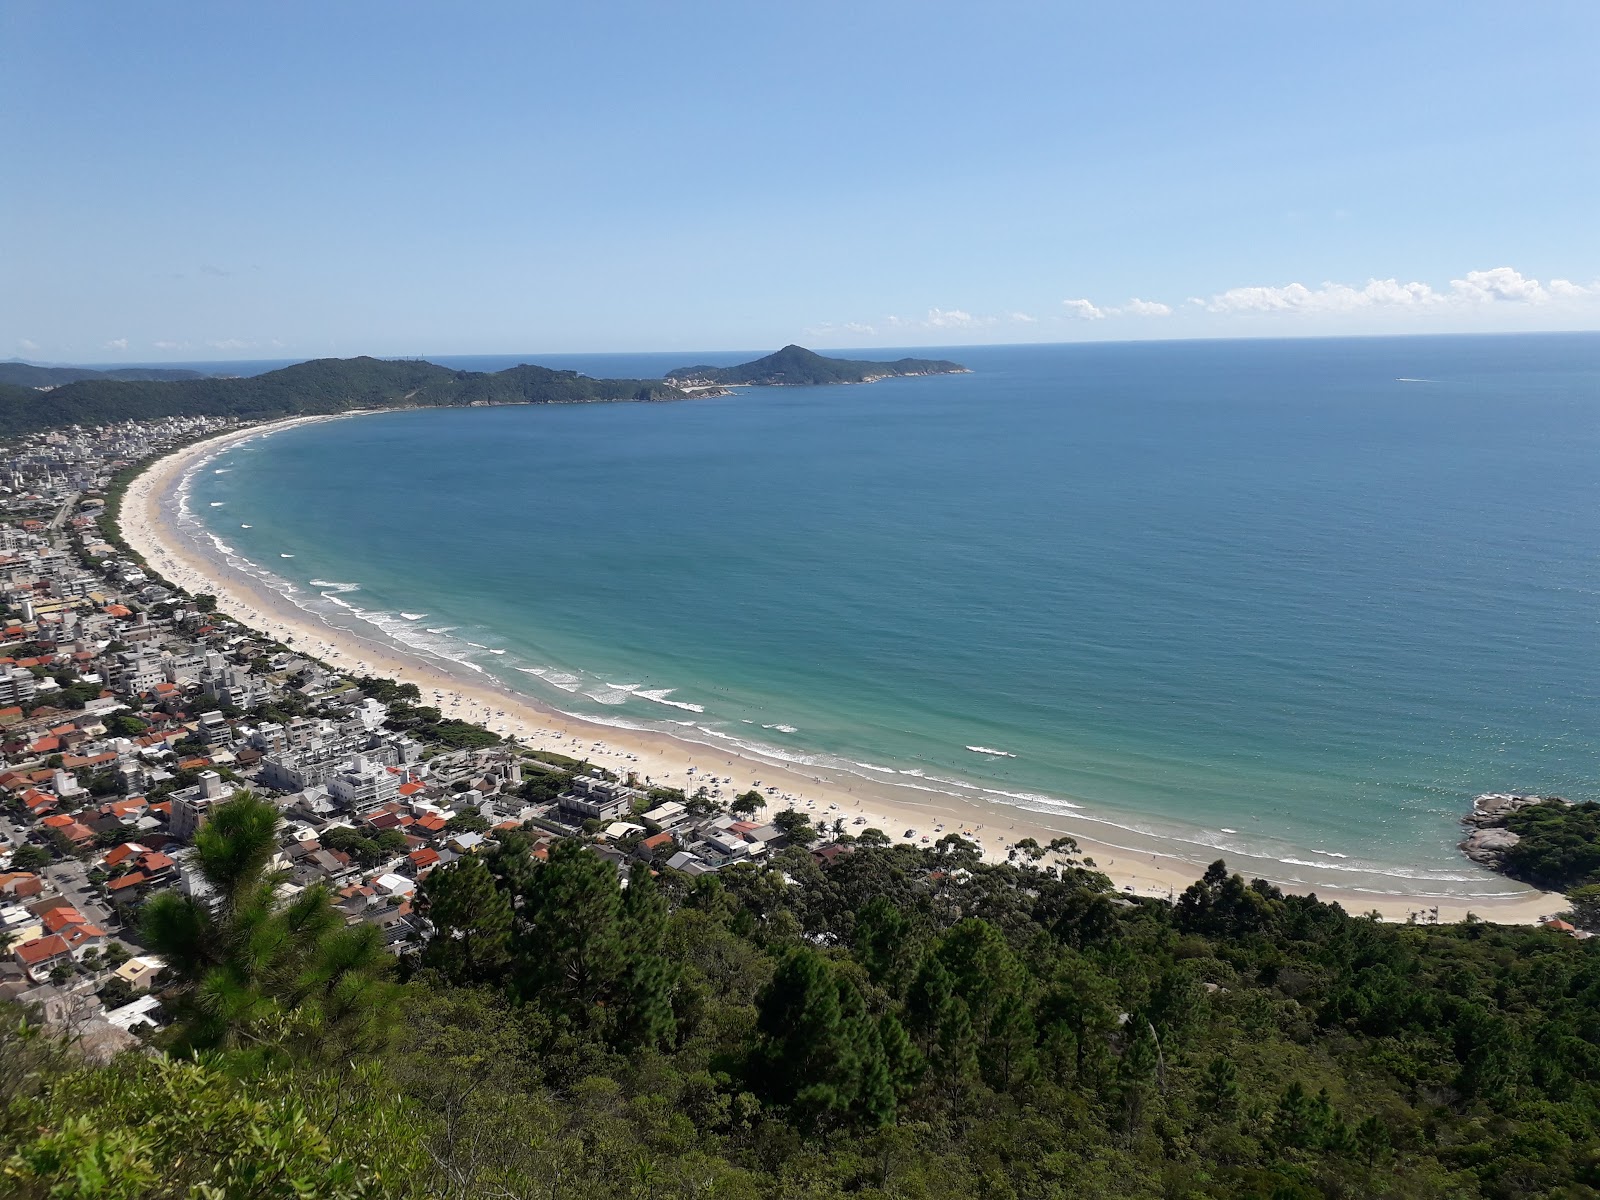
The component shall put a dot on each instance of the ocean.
(1288, 603)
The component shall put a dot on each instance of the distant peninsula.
(795, 366)
(321, 386)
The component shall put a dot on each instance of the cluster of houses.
(129, 710)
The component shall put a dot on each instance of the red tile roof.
(31, 954)
(58, 919)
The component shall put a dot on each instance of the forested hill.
(326, 385)
(27, 375)
(795, 366)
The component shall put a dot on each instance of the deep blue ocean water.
(1289, 602)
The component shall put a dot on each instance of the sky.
(214, 181)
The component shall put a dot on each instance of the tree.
(644, 1015)
(570, 953)
(748, 803)
(881, 942)
(251, 971)
(796, 826)
(1220, 1087)
(122, 725)
(472, 922)
(205, 602)
(820, 1053)
(28, 857)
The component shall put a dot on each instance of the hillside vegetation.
(795, 366)
(327, 385)
(27, 375)
(904, 1023)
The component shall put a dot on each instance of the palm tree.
(257, 970)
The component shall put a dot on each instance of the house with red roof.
(41, 956)
(38, 802)
(20, 885)
(419, 861)
(57, 919)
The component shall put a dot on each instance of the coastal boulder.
(1487, 846)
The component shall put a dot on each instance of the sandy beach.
(148, 520)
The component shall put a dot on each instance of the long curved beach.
(149, 518)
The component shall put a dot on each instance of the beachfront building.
(597, 800)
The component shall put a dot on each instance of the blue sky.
(226, 181)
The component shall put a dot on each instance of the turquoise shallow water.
(1289, 602)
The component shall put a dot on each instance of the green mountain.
(795, 366)
(27, 375)
(326, 385)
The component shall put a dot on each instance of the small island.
(795, 366)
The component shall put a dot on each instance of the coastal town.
(129, 709)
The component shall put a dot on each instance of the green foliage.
(471, 921)
(749, 803)
(796, 826)
(28, 857)
(795, 366)
(154, 1127)
(367, 851)
(251, 970)
(122, 725)
(891, 1027)
(1559, 847)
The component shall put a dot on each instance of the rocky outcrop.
(1489, 839)
(1487, 846)
(1492, 808)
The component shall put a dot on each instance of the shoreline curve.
(147, 522)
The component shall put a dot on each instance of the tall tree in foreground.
(257, 970)
(471, 920)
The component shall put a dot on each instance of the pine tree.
(1220, 1088)
(472, 922)
(928, 1001)
(880, 940)
(904, 1060)
(571, 953)
(252, 971)
(799, 1022)
(644, 1015)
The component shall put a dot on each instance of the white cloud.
(27, 345)
(1084, 310)
(230, 344)
(859, 327)
(940, 318)
(1022, 318)
(1565, 289)
(1499, 283)
(116, 344)
(170, 345)
(1088, 310)
(1329, 298)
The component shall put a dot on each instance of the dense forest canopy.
(901, 1022)
(796, 366)
(1559, 846)
(322, 386)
